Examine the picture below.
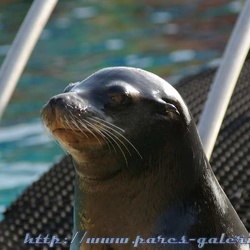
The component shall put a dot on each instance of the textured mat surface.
(46, 207)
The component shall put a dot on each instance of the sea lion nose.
(60, 101)
(53, 107)
(67, 101)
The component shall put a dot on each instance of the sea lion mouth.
(69, 131)
(74, 136)
(66, 135)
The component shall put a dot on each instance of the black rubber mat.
(46, 207)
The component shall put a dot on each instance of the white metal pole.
(225, 81)
(22, 47)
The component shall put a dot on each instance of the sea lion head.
(118, 115)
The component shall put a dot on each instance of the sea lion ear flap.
(171, 108)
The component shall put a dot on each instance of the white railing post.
(225, 81)
(22, 47)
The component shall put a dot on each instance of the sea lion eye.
(117, 95)
(118, 98)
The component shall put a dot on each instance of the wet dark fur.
(150, 177)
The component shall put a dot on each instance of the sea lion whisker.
(68, 126)
(50, 135)
(106, 139)
(109, 139)
(110, 136)
(121, 152)
(47, 130)
(81, 124)
(69, 121)
(78, 127)
(74, 121)
(109, 123)
(114, 139)
(57, 143)
(107, 131)
(130, 143)
(84, 120)
(100, 133)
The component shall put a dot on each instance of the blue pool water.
(169, 38)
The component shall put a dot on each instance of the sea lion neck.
(93, 172)
(184, 162)
(166, 182)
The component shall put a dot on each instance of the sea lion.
(141, 172)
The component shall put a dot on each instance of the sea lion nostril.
(58, 101)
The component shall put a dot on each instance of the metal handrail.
(225, 81)
(22, 47)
